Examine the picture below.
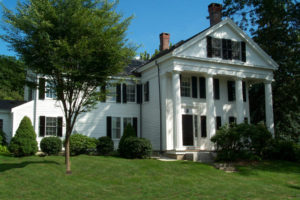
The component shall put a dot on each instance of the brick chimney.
(215, 13)
(164, 41)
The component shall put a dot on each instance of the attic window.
(226, 49)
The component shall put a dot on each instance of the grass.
(97, 177)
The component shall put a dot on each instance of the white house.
(177, 100)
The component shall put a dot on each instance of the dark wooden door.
(187, 130)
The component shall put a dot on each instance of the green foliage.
(51, 145)
(12, 78)
(145, 56)
(82, 144)
(280, 149)
(274, 25)
(136, 148)
(4, 150)
(242, 141)
(3, 138)
(105, 146)
(128, 132)
(24, 142)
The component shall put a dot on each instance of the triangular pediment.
(196, 47)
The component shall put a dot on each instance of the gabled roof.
(185, 43)
(9, 104)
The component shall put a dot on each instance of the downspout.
(34, 107)
(141, 112)
(160, 112)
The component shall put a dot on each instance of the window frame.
(185, 88)
(49, 90)
(130, 94)
(111, 96)
(49, 126)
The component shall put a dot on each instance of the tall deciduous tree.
(75, 44)
(274, 25)
(12, 78)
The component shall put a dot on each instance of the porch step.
(196, 156)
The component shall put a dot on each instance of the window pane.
(130, 92)
(111, 93)
(126, 121)
(216, 47)
(236, 50)
(116, 127)
(50, 92)
(51, 126)
(185, 86)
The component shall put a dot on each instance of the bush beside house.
(134, 147)
(3, 140)
(105, 146)
(82, 144)
(51, 145)
(24, 142)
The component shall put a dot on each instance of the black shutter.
(103, 93)
(108, 127)
(41, 88)
(246, 120)
(224, 49)
(209, 46)
(243, 44)
(203, 126)
(42, 126)
(229, 49)
(231, 90)
(202, 87)
(194, 87)
(216, 89)
(146, 91)
(135, 126)
(118, 88)
(59, 126)
(124, 93)
(232, 120)
(244, 92)
(218, 122)
(139, 93)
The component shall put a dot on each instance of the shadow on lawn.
(270, 166)
(9, 166)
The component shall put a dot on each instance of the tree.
(75, 44)
(274, 25)
(12, 78)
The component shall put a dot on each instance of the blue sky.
(181, 18)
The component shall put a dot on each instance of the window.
(231, 90)
(51, 126)
(218, 122)
(226, 49)
(236, 50)
(116, 127)
(146, 91)
(216, 89)
(232, 120)
(130, 93)
(126, 121)
(1, 124)
(50, 91)
(246, 120)
(216, 47)
(185, 86)
(111, 93)
(203, 127)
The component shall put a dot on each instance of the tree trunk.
(67, 156)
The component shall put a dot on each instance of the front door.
(187, 130)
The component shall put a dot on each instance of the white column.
(269, 107)
(239, 100)
(210, 107)
(177, 118)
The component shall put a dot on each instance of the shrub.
(51, 145)
(105, 145)
(241, 141)
(128, 132)
(280, 149)
(82, 144)
(136, 148)
(24, 142)
(3, 138)
(4, 150)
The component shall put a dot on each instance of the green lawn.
(96, 177)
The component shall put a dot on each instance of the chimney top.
(164, 41)
(215, 13)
